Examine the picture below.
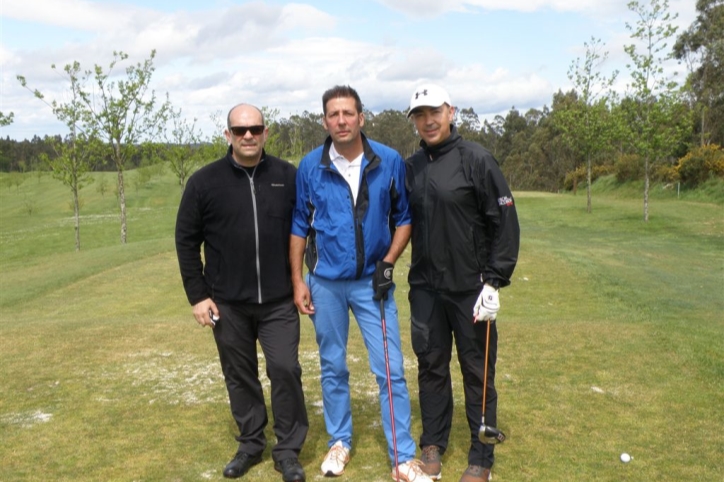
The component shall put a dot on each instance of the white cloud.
(417, 64)
(75, 14)
(432, 8)
(285, 55)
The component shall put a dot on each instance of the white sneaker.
(335, 460)
(410, 471)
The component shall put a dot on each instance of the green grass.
(611, 340)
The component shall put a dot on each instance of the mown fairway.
(611, 341)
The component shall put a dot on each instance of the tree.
(73, 158)
(181, 148)
(510, 127)
(6, 120)
(274, 144)
(468, 124)
(651, 117)
(586, 123)
(124, 113)
(216, 145)
(391, 127)
(702, 48)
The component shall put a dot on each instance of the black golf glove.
(382, 280)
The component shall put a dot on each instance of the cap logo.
(417, 94)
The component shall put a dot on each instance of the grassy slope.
(106, 376)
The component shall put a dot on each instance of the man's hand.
(382, 280)
(488, 304)
(303, 298)
(203, 311)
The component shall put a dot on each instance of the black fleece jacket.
(243, 219)
(464, 223)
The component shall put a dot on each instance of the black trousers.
(437, 318)
(276, 326)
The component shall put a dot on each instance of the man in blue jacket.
(240, 209)
(352, 219)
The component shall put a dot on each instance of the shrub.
(579, 175)
(665, 173)
(574, 178)
(701, 164)
(628, 167)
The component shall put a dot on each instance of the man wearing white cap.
(465, 239)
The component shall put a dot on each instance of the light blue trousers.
(332, 302)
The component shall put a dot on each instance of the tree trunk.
(588, 182)
(122, 202)
(76, 213)
(703, 126)
(646, 190)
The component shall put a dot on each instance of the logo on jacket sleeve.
(505, 201)
(276, 184)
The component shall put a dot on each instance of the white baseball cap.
(428, 95)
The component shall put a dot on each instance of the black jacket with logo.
(243, 219)
(464, 224)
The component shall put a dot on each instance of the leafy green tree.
(309, 130)
(468, 124)
(274, 144)
(73, 158)
(586, 123)
(216, 145)
(391, 127)
(123, 113)
(536, 155)
(651, 117)
(702, 48)
(181, 149)
(6, 120)
(490, 137)
(512, 127)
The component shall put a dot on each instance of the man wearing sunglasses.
(240, 209)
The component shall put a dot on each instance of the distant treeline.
(530, 146)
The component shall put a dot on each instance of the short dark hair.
(341, 91)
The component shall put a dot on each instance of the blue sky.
(490, 55)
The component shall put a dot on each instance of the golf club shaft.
(389, 386)
(485, 374)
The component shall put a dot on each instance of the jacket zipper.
(355, 221)
(256, 230)
(426, 224)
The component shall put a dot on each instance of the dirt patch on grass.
(26, 419)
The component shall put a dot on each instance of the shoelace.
(415, 466)
(338, 454)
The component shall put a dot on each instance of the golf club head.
(490, 435)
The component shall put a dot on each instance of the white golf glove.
(488, 304)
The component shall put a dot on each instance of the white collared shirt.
(349, 170)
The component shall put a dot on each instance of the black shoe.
(240, 464)
(291, 470)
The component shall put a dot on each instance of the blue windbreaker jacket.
(344, 240)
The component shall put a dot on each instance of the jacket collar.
(370, 161)
(230, 157)
(445, 146)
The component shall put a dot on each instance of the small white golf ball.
(625, 458)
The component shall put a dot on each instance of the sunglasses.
(240, 131)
